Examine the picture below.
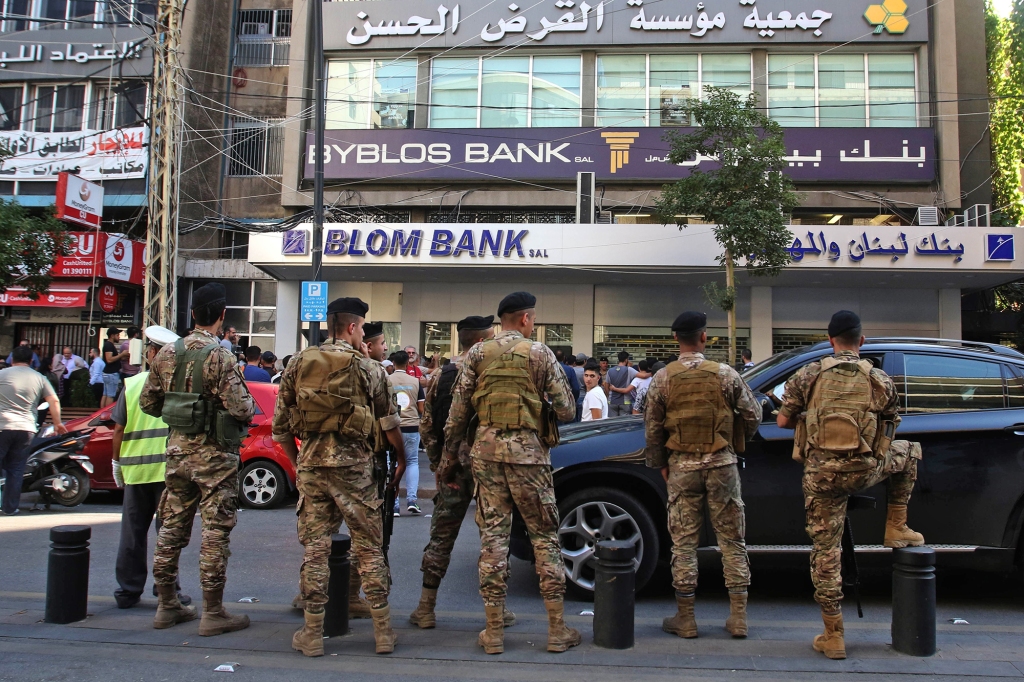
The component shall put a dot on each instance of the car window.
(1015, 389)
(939, 383)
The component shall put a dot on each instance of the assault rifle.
(851, 572)
(384, 471)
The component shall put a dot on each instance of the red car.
(267, 476)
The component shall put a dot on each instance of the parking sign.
(314, 302)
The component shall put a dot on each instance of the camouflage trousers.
(450, 507)
(530, 488)
(687, 493)
(204, 480)
(825, 496)
(328, 495)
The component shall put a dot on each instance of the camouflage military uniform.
(692, 478)
(199, 474)
(450, 506)
(827, 484)
(513, 466)
(335, 482)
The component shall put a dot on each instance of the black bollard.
(614, 587)
(67, 574)
(336, 616)
(913, 601)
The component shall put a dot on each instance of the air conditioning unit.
(604, 217)
(928, 215)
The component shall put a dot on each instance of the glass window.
(17, 10)
(673, 80)
(936, 383)
(59, 108)
(255, 146)
(621, 90)
(436, 338)
(505, 94)
(10, 108)
(453, 93)
(731, 71)
(791, 89)
(1015, 390)
(556, 92)
(118, 108)
(394, 93)
(264, 293)
(841, 90)
(891, 85)
(348, 94)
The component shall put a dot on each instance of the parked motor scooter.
(57, 469)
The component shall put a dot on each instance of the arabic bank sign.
(99, 53)
(465, 23)
(862, 155)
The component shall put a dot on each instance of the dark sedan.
(963, 401)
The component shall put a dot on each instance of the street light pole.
(319, 121)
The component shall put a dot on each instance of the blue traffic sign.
(314, 302)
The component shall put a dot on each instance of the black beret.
(352, 306)
(690, 322)
(842, 322)
(373, 330)
(209, 294)
(513, 303)
(268, 356)
(475, 322)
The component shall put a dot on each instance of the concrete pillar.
(588, 90)
(759, 82)
(583, 320)
(761, 323)
(947, 122)
(286, 340)
(411, 316)
(950, 326)
(422, 117)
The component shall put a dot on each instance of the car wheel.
(595, 514)
(262, 485)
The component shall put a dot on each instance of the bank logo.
(999, 247)
(619, 143)
(295, 243)
(889, 16)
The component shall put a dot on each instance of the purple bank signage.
(862, 155)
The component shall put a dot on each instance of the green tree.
(29, 245)
(1005, 49)
(746, 198)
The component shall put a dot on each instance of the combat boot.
(216, 620)
(831, 643)
(507, 617)
(423, 616)
(169, 611)
(309, 639)
(383, 635)
(560, 636)
(897, 534)
(492, 637)
(357, 606)
(683, 624)
(736, 623)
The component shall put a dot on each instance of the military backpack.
(331, 396)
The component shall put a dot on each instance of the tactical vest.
(331, 396)
(144, 444)
(697, 418)
(842, 421)
(190, 412)
(442, 403)
(505, 395)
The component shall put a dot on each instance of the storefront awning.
(61, 294)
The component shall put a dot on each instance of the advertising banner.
(103, 255)
(54, 298)
(90, 154)
(863, 155)
(79, 201)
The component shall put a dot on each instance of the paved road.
(114, 645)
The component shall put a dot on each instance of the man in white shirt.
(640, 385)
(595, 403)
(410, 396)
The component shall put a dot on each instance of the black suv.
(963, 401)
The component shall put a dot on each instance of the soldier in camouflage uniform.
(330, 397)
(454, 477)
(201, 474)
(698, 414)
(846, 391)
(504, 381)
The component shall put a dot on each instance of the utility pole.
(160, 301)
(319, 120)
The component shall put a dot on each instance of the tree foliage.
(1005, 49)
(746, 198)
(29, 245)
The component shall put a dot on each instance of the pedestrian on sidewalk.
(454, 477)
(595, 403)
(139, 462)
(112, 366)
(689, 424)
(96, 365)
(21, 390)
(410, 397)
(620, 389)
(504, 380)
(202, 462)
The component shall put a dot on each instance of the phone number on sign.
(77, 271)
